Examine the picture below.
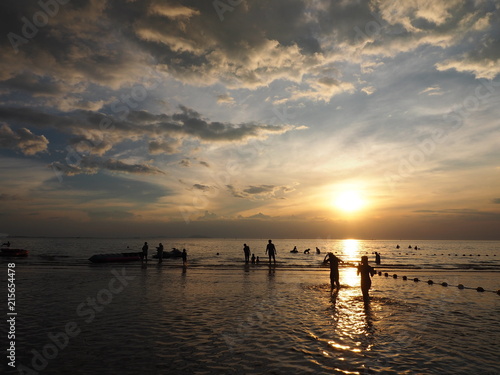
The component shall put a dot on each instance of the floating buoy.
(430, 282)
(394, 276)
(405, 278)
(386, 274)
(416, 279)
(380, 273)
(444, 283)
(479, 289)
(461, 286)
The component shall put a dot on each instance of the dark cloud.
(97, 133)
(259, 189)
(22, 139)
(92, 165)
(201, 187)
(259, 192)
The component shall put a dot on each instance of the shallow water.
(228, 318)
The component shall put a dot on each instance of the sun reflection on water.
(351, 249)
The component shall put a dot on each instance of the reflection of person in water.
(366, 272)
(334, 269)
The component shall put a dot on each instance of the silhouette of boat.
(174, 253)
(8, 252)
(115, 257)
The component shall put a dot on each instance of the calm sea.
(220, 316)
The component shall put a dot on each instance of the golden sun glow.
(349, 201)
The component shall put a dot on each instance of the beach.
(250, 319)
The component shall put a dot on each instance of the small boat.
(115, 257)
(174, 253)
(8, 252)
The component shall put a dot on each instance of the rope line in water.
(444, 283)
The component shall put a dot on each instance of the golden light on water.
(350, 247)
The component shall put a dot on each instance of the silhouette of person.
(377, 258)
(253, 258)
(159, 249)
(257, 260)
(366, 272)
(184, 257)
(271, 250)
(6, 244)
(145, 251)
(334, 269)
(246, 249)
(306, 251)
(318, 251)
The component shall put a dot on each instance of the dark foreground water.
(218, 316)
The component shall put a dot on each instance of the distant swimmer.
(397, 246)
(306, 251)
(253, 258)
(377, 257)
(334, 269)
(257, 260)
(318, 251)
(416, 248)
(6, 244)
(246, 249)
(409, 246)
(294, 250)
(366, 272)
(271, 250)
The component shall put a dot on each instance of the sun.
(349, 201)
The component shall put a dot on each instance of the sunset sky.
(229, 118)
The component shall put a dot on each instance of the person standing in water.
(334, 269)
(366, 272)
(246, 249)
(377, 257)
(159, 249)
(145, 252)
(271, 250)
(184, 257)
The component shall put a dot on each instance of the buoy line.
(444, 283)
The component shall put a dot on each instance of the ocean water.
(220, 316)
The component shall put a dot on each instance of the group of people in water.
(270, 250)
(363, 268)
(159, 253)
